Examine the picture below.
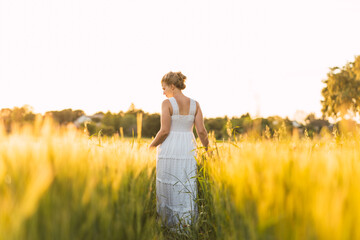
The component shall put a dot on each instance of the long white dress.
(176, 168)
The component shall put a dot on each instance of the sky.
(260, 57)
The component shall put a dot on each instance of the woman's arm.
(165, 124)
(200, 128)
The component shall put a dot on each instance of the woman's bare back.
(183, 103)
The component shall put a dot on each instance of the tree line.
(126, 123)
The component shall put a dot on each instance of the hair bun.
(175, 78)
(181, 76)
(181, 81)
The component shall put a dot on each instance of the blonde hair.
(176, 78)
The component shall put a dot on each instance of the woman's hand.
(151, 147)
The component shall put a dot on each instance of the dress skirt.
(176, 186)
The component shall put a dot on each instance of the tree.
(314, 125)
(65, 116)
(342, 91)
(217, 125)
(242, 124)
(151, 125)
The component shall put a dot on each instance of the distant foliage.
(223, 128)
(342, 91)
(18, 115)
(110, 123)
(151, 125)
(65, 116)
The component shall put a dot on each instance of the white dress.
(176, 168)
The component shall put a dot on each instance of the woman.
(175, 159)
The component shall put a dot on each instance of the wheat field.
(58, 183)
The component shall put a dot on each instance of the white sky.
(262, 57)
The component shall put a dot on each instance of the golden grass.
(303, 189)
(62, 172)
(58, 183)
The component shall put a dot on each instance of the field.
(58, 183)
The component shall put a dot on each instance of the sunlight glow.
(265, 58)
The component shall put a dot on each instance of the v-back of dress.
(176, 169)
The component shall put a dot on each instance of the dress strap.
(192, 107)
(174, 106)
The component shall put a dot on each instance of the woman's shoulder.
(166, 103)
(196, 102)
(190, 98)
